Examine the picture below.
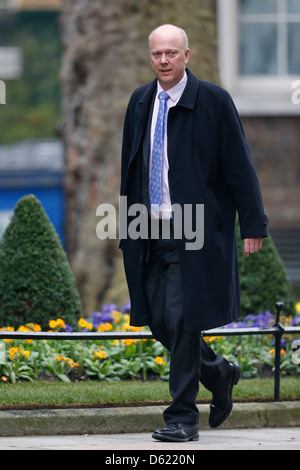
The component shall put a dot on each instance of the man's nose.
(164, 58)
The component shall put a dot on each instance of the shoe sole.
(194, 437)
(234, 381)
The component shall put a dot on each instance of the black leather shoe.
(222, 403)
(177, 432)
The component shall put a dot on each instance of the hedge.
(36, 281)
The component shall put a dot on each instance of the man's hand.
(252, 245)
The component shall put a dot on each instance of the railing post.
(278, 337)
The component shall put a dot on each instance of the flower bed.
(70, 360)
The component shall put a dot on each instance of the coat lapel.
(188, 98)
(141, 118)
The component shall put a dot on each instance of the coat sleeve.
(240, 173)
(126, 145)
(127, 140)
(125, 155)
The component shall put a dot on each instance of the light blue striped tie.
(157, 152)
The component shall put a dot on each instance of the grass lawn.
(128, 393)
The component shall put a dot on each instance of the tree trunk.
(105, 58)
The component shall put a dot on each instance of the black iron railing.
(277, 330)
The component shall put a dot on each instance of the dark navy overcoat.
(209, 164)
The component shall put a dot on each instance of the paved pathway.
(227, 439)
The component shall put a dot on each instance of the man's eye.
(170, 54)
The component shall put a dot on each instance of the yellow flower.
(282, 352)
(84, 324)
(18, 352)
(117, 316)
(52, 324)
(105, 327)
(159, 360)
(70, 362)
(33, 327)
(100, 355)
(12, 352)
(209, 339)
(3, 378)
(128, 341)
(23, 328)
(7, 328)
(135, 328)
(298, 307)
(58, 323)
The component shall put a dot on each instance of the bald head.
(169, 53)
(169, 29)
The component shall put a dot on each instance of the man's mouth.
(165, 71)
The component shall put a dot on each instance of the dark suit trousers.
(191, 359)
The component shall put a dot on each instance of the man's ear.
(187, 55)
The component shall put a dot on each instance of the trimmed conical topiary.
(36, 281)
(264, 280)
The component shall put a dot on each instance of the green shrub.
(36, 282)
(264, 280)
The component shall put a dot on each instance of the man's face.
(168, 56)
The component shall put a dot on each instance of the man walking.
(183, 145)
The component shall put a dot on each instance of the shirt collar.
(176, 91)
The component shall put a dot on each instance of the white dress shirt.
(174, 96)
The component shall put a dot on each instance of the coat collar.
(188, 97)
